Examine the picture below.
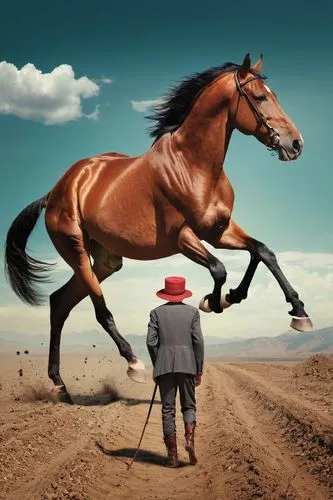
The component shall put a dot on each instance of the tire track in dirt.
(28, 423)
(34, 455)
(43, 475)
(238, 457)
(307, 432)
(148, 478)
(271, 469)
(21, 422)
(241, 448)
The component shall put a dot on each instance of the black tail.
(24, 273)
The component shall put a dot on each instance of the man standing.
(176, 348)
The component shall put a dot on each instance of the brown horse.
(161, 203)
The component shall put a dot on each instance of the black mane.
(171, 113)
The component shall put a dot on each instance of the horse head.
(256, 111)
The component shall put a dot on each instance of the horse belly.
(136, 235)
(139, 251)
(135, 245)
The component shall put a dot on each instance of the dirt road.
(262, 433)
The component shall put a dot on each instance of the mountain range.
(287, 345)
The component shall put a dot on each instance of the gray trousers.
(168, 385)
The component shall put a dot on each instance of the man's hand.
(155, 380)
(198, 379)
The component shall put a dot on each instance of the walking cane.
(144, 428)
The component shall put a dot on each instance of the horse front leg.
(236, 295)
(234, 238)
(190, 246)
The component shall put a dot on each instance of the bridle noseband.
(274, 137)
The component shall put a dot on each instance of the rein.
(274, 137)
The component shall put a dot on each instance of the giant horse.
(169, 200)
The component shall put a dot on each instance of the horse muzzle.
(289, 149)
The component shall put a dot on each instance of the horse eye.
(260, 98)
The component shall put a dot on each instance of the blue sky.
(144, 48)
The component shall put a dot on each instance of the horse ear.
(258, 65)
(245, 68)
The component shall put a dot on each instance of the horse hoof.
(137, 371)
(204, 305)
(301, 324)
(62, 395)
(224, 303)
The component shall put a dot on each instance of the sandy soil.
(263, 430)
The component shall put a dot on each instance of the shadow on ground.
(143, 456)
(106, 399)
(108, 393)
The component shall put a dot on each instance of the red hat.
(174, 289)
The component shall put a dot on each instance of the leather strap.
(273, 134)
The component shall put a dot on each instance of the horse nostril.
(297, 145)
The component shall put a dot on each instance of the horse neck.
(204, 142)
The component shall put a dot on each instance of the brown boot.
(189, 445)
(171, 444)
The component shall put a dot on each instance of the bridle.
(274, 137)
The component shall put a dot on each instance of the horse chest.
(223, 214)
(215, 219)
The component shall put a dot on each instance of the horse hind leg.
(73, 247)
(136, 368)
(63, 300)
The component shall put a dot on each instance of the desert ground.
(264, 430)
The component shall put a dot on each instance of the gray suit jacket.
(174, 339)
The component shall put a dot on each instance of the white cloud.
(106, 80)
(103, 80)
(95, 114)
(143, 106)
(52, 98)
(316, 259)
